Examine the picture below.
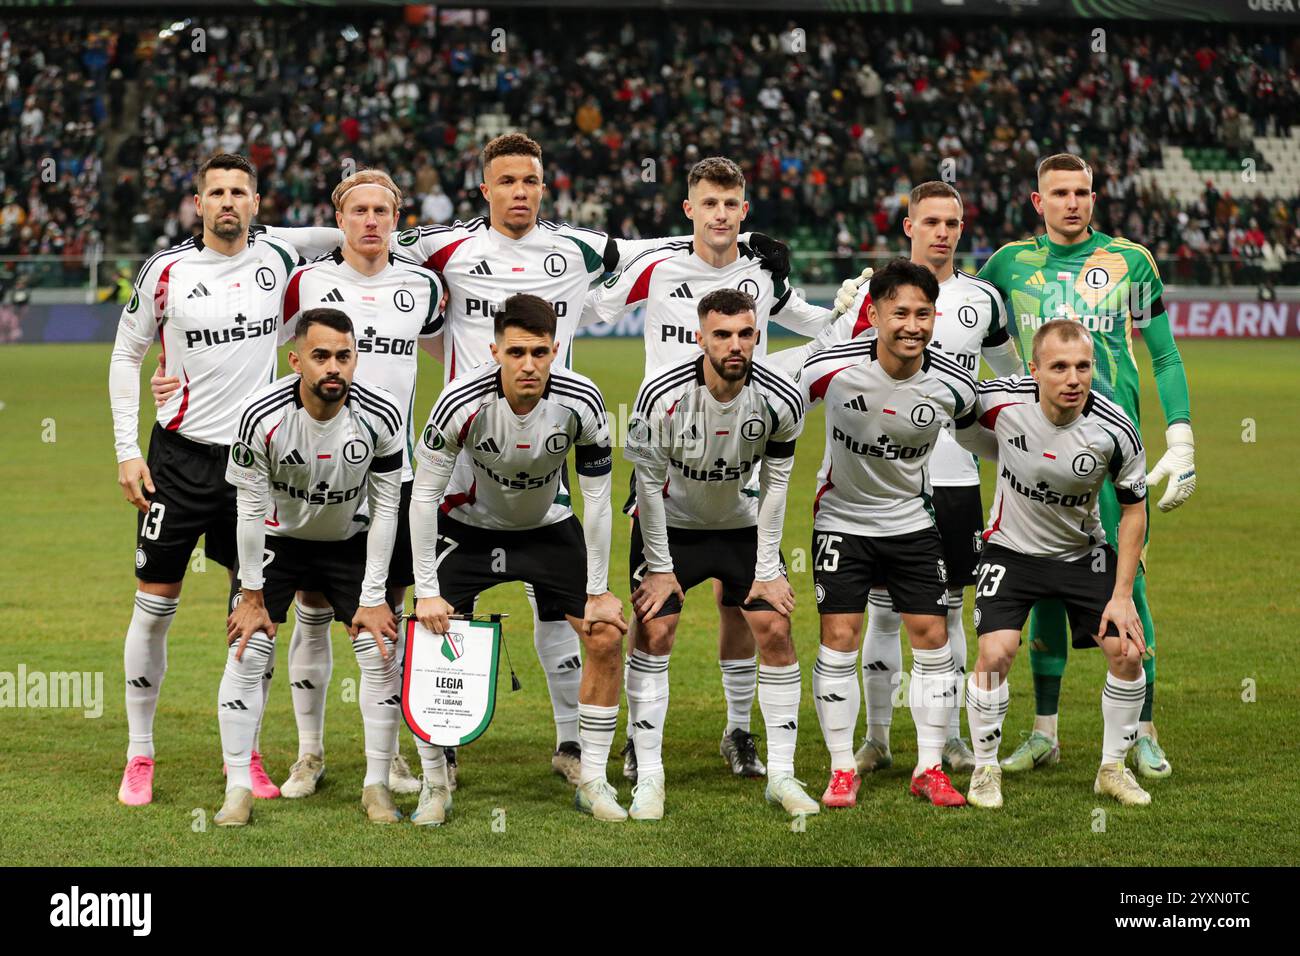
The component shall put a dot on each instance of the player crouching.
(317, 461)
(700, 428)
(488, 507)
(1056, 440)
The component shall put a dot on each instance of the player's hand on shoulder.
(434, 613)
(604, 608)
(653, 592)
(131, 474)
(773, 254)
(162, 386)
(776, 592)
(847, 293)
(378, 622)
(248, 617)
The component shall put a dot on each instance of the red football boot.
(934, 785)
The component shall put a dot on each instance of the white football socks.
(957, 647)
(779, 688)
(882, 663)
(985, 712)
(837, 698)
(433, 761)
(647, 709)
(934, 689)
(1121, 706)
(596, 726)
(144, 664)
(268, 672)
(239, 706)
(560, 651)
(739, 681)
(380, 700)
(311, 664)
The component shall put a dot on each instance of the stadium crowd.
(833, 120)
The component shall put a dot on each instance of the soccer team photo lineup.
(823, 340)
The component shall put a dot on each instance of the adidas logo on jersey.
(234, 705)
(1019, 442)
(683, 291)
(643, 725)
(293, 458)
(831, 698)
(488, 444)
(198, 292)
(139, 682)
(334, 295)
(303, 684)
(857, 404)
(481, 269)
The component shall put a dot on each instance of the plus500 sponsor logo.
(383, 345)
(235, 333)
(316, 497)
(887, 451)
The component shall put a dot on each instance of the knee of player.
(604, 641)
(928, 631)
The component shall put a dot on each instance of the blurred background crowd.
(834, 118)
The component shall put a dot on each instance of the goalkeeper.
(1111, 285)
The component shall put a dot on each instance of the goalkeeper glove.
(1177, 465)
(848, 291)
(773, 254)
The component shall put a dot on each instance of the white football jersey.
(879, 435)
(1049, 475)
(316, 472)
(708, 451)
(483, 267)
(969, 316)
(671, 279)
(508, 468)
(217, 317)
(389, 311)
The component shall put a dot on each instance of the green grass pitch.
(1222, 584)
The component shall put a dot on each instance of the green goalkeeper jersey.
(1110, 285)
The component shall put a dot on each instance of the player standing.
(214, 301)
(970, 320)
(669, 282)
(887, 398)
(395, 305)
(318, 467)
(483, 262)
(1057, 443)
(489, 485)
(699, 431)
(1111, 285)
